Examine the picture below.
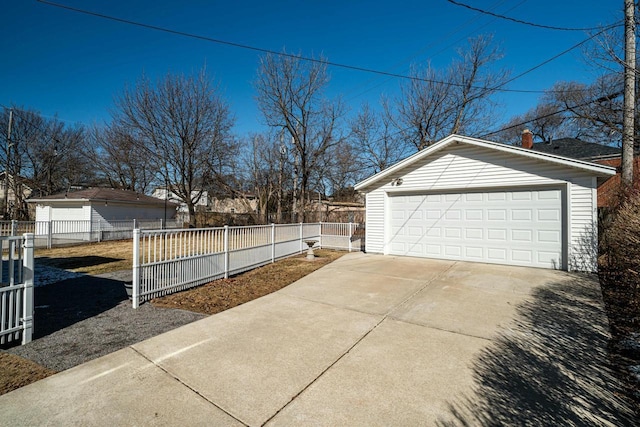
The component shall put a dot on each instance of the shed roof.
(103, 195)
(595, 169)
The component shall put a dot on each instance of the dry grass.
(92, 258)
(16, 372)
(221, 295)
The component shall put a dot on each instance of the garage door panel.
(497, 255)
(522, 256)
(434, 232)
(474, 214)
(497, 196)
(522, 236)
(453, 233)
(506, 227)
(474, 197)
(497, 234)
(548, 215)
(521, 214)
(473, 233)
(474, 252)
(523, 195)
(454, 214)
(497, 214)
(434, 250)
(549, 236)
(453, 251)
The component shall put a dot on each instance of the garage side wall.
(462, 167)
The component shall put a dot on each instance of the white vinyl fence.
(16, 289)
(63, 232)
(168, 261)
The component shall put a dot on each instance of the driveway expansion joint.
(188, 386)
(324, 371)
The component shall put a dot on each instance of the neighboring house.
(608, 191)
(101, 205)
(589, 151)
(239, 205)
(330, 211)
(574, 148)
(474, 200)
(164, 194)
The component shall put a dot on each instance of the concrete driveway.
(367, 340)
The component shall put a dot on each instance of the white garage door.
(503, 227)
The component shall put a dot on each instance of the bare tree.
(457, 100)
(290, 96)
(43, 154)
(596, 108)
(184, 122)
(117, 156)
(262, 174)
(372, 134)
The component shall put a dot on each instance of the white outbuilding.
(101, 205)
(470, 199)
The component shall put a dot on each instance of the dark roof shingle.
(104, 194)
(575, 149)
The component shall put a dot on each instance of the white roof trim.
(596, 169)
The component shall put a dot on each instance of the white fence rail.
(168, 261)
(61, 232)
(16, 289)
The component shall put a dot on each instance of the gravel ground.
(82, 318)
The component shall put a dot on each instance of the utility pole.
(628, 120)
(283, 153)
(294, 208)
(6, 171)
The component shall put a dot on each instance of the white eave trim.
(84, 201)
(596, 169)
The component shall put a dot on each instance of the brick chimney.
(527, 139)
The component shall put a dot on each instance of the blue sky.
(61, 62)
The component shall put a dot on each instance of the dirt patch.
(223, 294)
(92, 258)
(16, 372)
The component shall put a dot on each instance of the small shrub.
(622, 238)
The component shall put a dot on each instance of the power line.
(267, 51)
(562, 110)
(461, 26)
(464, 25)
(519, 21)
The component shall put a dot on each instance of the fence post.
(162, 224)
(27, 278)
(226, 251)
(49, 234)
(14, 227)
(350, 234)
(301, 237)
(273, 242)
(320, 235)
(135, 285)
(134, 224)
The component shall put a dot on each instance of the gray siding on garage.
(464, 166)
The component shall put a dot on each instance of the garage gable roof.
(102, 195)
(596, 169)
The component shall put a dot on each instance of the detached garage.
(474, 200)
